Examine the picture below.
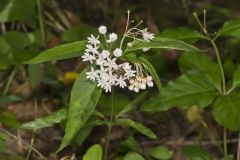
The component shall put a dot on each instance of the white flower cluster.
(108, 69)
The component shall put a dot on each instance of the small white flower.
(121, 82)
(143, 86)
(130, 87)
(88, 57)
(92, 49)
(147, 36)
(117, 52)
(112, 37)
(136, 89)
(111, 63)
(105, 54)
(93, 40)
(150, 84)
(149, 78)
(129, 73)
(130, 44)
(145, 49)
(93, 74)
(100, 61)
(102, 29)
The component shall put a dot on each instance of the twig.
(23, 142)
(187, 143)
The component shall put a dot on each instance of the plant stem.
(220, 66)
(109, 129)
(10, 79)
(225, 143)
(223, 92)
(42, 21)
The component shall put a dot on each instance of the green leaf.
(226, 111)
(138, 126)
(64, 51)
(9, 119)
(133, 156)
(93, 153)
(17, 40)
(15, 10)
(130, 144)
(164, 43)
(196, 153)
(150, 69)
(230, 28)
(236, 78)
(48, 121)
(161, 152)
(183, 34)
(84, 97)
(34, 75)
(133, 104)
(189, 89)
(204, 64)
(9, 99)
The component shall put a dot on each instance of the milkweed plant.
(117, 61)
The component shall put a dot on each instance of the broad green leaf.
(183, 34)
(93, 153)
(9, 99)
(164, 43)
(15, 10)
(236, 78)
(226, 111)
(161, 153)
(150, 69)
(82, 135)
(17, 40)
(64, 51)
(85, 131)
(133, 156)
(133, 104)
(48, 121)
(130, 144)
(196, 153)
(203, 63)
(84, 97)
(230, 28)
(189, 89)
(138, 126)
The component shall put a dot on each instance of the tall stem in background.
(41, 18)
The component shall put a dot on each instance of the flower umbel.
(108, 69)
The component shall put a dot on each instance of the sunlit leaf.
(84, 97)
(48, 121)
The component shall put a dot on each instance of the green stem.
(223, 92)
(42, 22)
(10, 79)
(220, 66)
(110, 125)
